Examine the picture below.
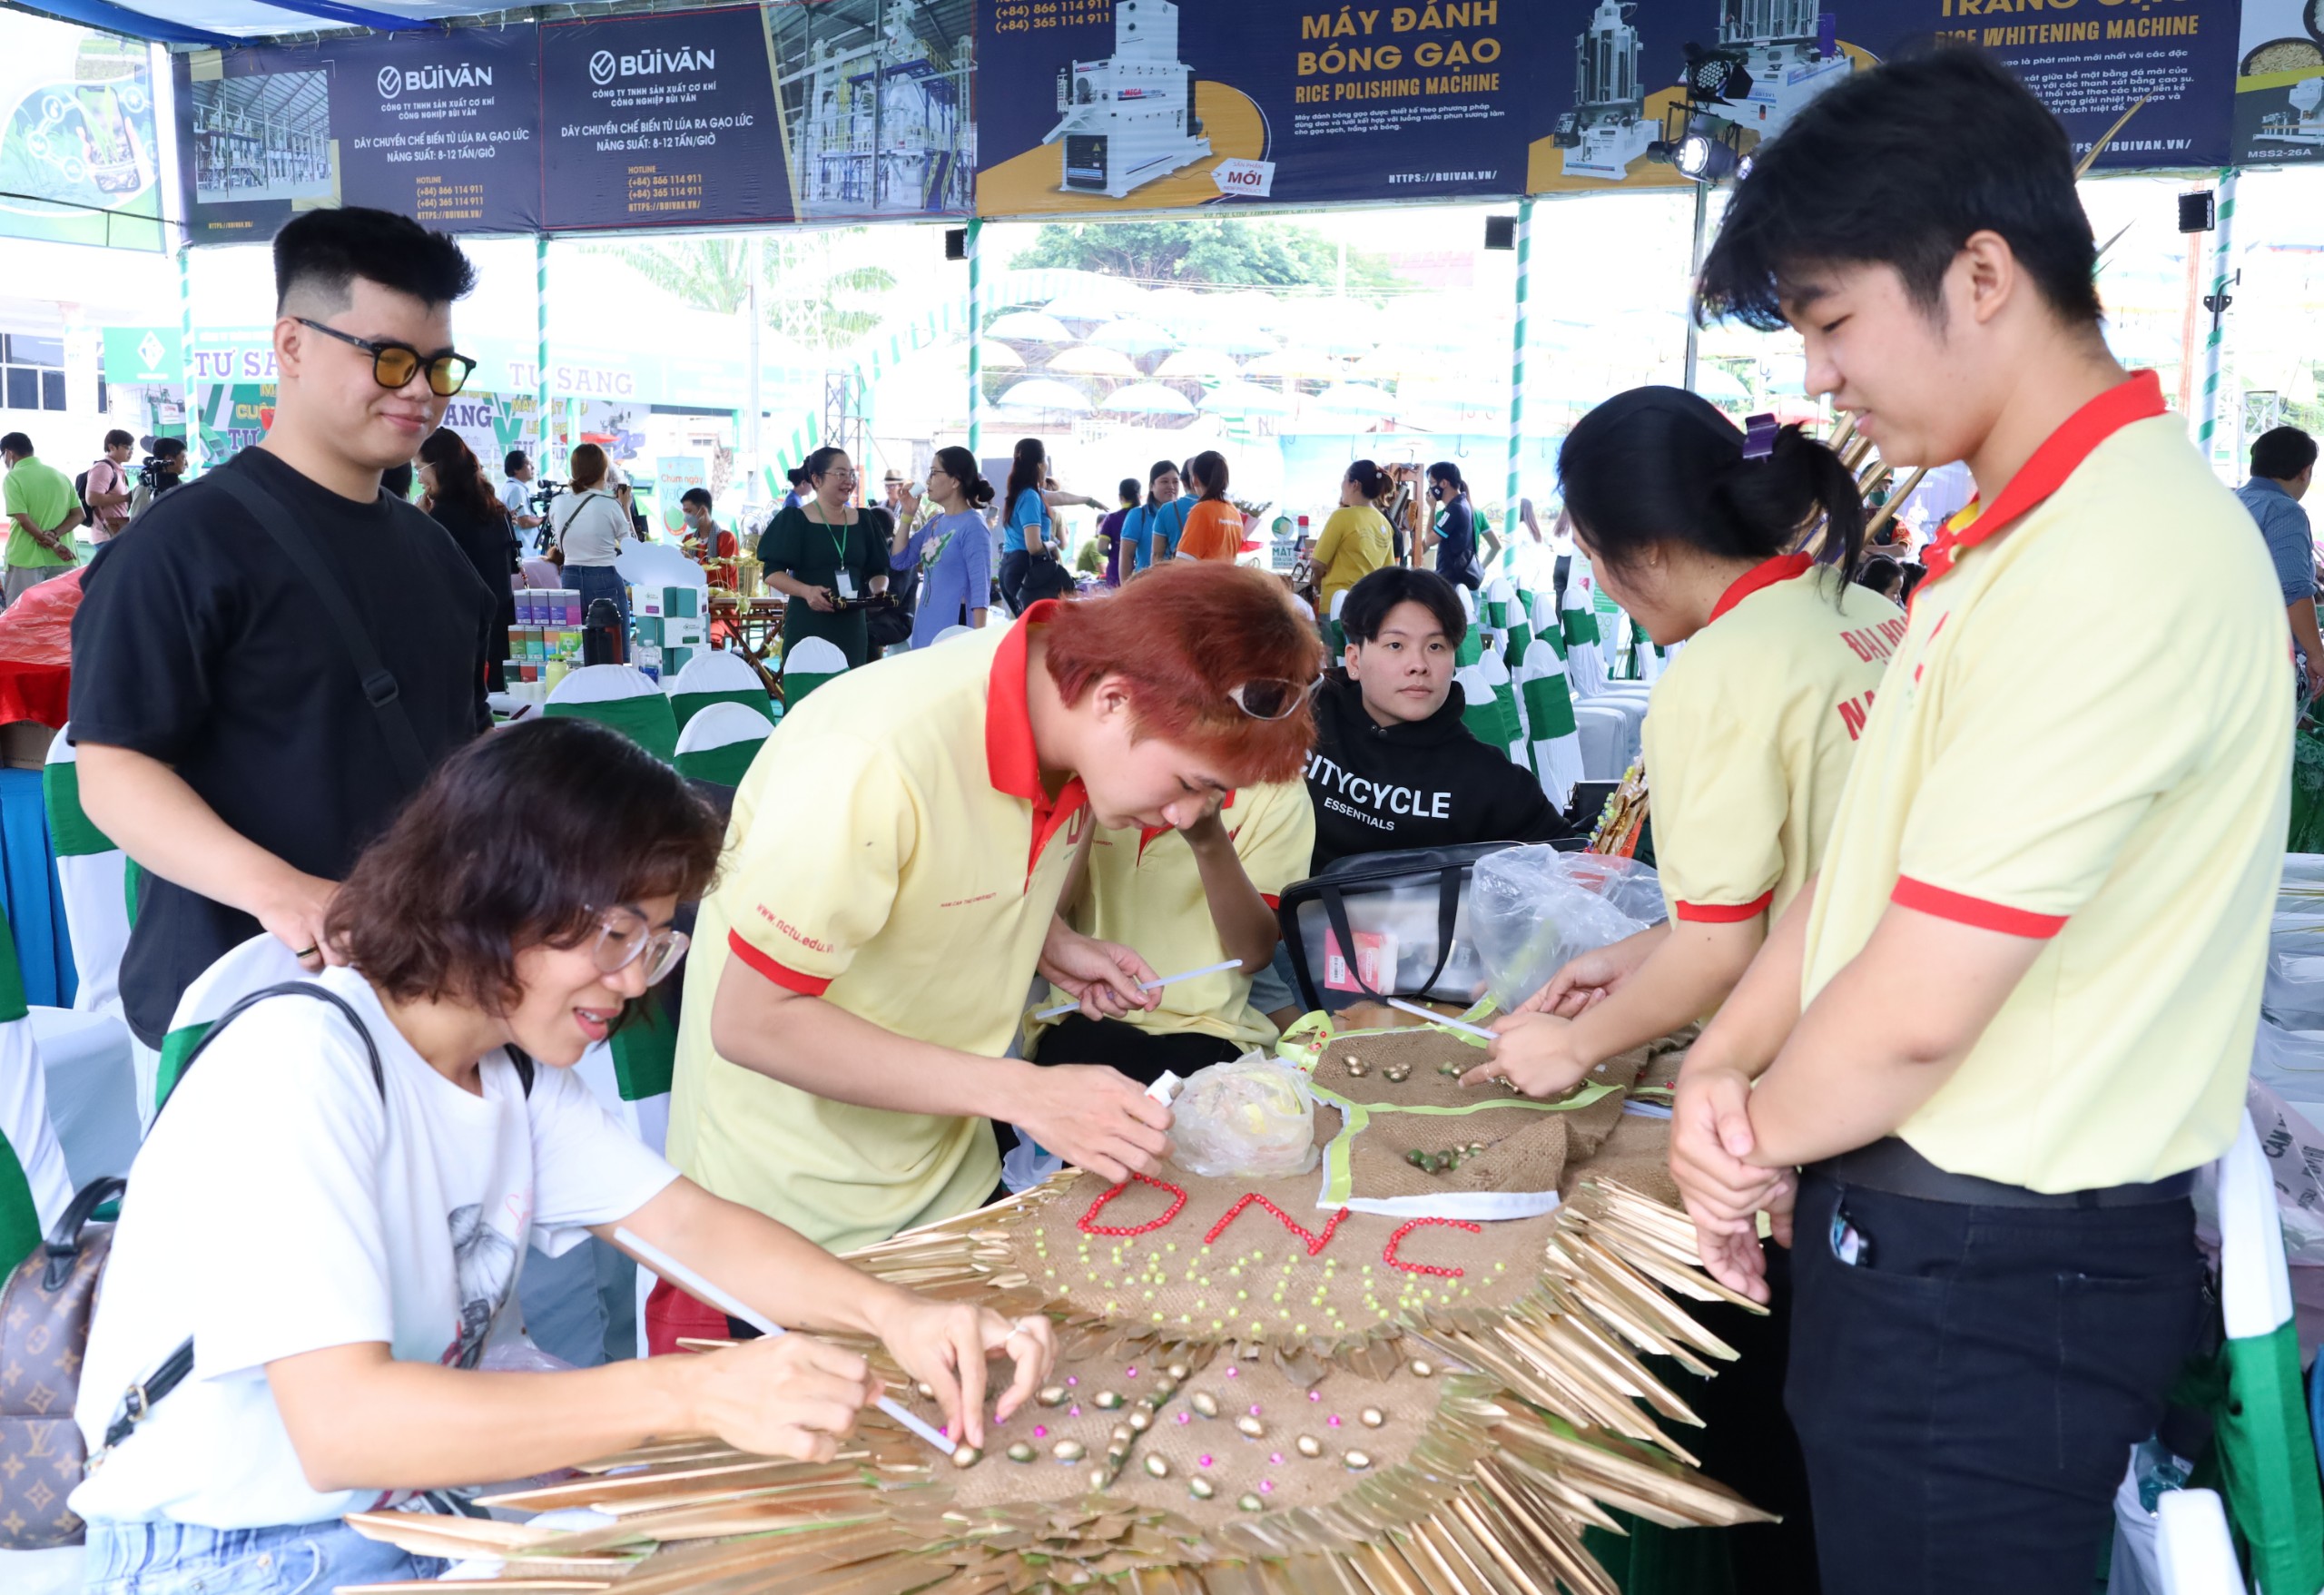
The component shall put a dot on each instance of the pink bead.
(1267, 1486)
(1040, 1431)
(1315, 1396)
(1231, 1372)
(1070, 1379)
(1129, 1372)
(1334, 1420)
(1254, 1409)
(1276, 1458)
(1182, 1417)
(1203, 1461)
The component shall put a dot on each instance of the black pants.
(1141, 1055)
(1967, 1392)
(1025, 580)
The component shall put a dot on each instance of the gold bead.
(1251, 1503)
(1203, 1402)
(1308, 1445)
(1068, 1451)
(1251, 1426)
(1357, 1461)
(1020, 1452)
(1121, 1435)
(1179, 1372)
(1200, 1488)
(1051, 1396)
(1109, 1399)
(1141, 1422)
(1423, 1368)
(1372, 1417)
(1099, 1478)
(966, 1456)
(924, 1390)
(1157, 1466)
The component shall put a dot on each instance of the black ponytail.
(1659, 464)
(958, 464)
(1369, 479)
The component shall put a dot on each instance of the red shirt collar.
(1012, 764)
(2138, 398)
(1783, 567)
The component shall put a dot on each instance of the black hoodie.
(1424, 783)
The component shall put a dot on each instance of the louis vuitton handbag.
(45, 1312)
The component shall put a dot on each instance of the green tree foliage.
(1227, 251)
(812, 287)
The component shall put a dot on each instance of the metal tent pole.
(1694, 270)
(2222, 269)
(1517, 368)
(975, 339)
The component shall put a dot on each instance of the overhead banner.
(876, 99)
(2279, 84)
(1628, 86)
(1086, 107)
(438, 127)
(666, 120)
(79, 161)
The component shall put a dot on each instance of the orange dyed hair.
(1180, 638)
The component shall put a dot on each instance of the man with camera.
(517, 493)
(43, 509)
(237, 731)
(162, 470)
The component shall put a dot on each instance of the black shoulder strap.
(379, 685)
(138, 1400)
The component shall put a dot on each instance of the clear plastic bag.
(1252, 1119)
(1533, 909)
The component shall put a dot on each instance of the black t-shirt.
(1456, 547)
(199, 643)
(490, 541)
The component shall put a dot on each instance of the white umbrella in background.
(1198, 365)
(1246, 398)
(998, 357)
(1234, 337)
(1046, 393)
(1147, 399)
(1181, 309)
(1397, 360)
(1029, 327)
(1096, 301)
(1089, 360)
(1298, 360)
(1341, 325)
(1133, 337)
(1355, 399)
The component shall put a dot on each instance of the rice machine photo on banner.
(78, 160)
(1091, 106)
(438, 127)
(876, 106)
(1664, 95)
(666, 120)
(2279, 113)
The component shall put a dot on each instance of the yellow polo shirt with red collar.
(891, 851)
(1750, 734)
(1144, 891)
(2077, 744)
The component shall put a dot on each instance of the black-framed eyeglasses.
(394, 365)
(623, 937)
(1271, 698)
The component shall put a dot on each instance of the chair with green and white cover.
(35, 1183)
(719, 743)
(91, 874)
(1334, 633)
(620, 696)
(1517, 639)
(1553, 738)
(252, 966)
(807, 664)
(2266, 1449)
(1482, 678)
(716, 675)
(1585, 659)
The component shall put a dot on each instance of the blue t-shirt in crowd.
(2291, 545)
(1028, 511)
(1151, 533)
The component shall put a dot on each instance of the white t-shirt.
(278, 1207)
(590, 527)
(518, 496)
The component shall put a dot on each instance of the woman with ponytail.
(1744, 553)
(1356, 540)
(952, 551)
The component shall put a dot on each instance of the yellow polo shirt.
(1144, 891)
(2081, 742)
(893, 852)
(1751, 733)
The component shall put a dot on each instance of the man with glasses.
(227, 740)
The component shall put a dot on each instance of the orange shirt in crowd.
(1214, 531)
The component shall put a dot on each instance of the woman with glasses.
(826, 556)
(891, 889)
(336, 1204)
(591, 526)
(950, 549)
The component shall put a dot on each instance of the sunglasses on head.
(1271, 698)
(394, 365)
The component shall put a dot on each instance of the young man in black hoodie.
(1394, 767)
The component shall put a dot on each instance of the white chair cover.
(721, 725)
(91, 877)
(91, 1076)
(259, 962)
(25, 1122)
(1604, 747)
(2197, 1553)
(603, 683)
(716, 670)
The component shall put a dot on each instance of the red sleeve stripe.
(781, 974)
(1271, 900)
(1725, 913)
(1962, 909)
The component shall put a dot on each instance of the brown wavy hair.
(1182, 636)
(524, 837)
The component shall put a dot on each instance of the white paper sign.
(1255, 178)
